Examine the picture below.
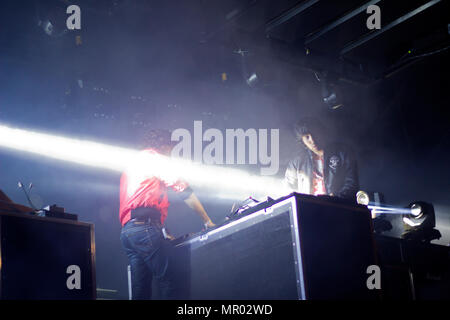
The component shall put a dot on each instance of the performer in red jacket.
(143, 209)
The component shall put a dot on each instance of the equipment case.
(296, 247)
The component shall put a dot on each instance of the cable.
(419, 55)
(26, 194)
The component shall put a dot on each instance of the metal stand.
(129, 283)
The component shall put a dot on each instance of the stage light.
(418, 217)
(51, 18)
(47, 26)
(223, 182)
(330, 93)
(252, 80)
(373, 203)
(419, 223)
(421, 214)
(330, 97)
(362, 198)
(416, 210)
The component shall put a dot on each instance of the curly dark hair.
(156, 138)
(312, 126)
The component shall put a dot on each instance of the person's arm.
(295, 179)
(185, 192)
(195, 204)
(351, 180)
(290, 176)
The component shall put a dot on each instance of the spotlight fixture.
(50, 29)
(249, 74)
(362, 198)
(422, 215)
(51, 17)
(330, 94)
(416, 211)
(370, 198)
(47, 26)
(419, 223)
(380, 223)
(252, 80)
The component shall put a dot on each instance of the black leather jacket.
(340, 172)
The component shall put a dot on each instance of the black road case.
(39, 255)
(297, 247)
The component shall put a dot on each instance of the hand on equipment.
(209, 224)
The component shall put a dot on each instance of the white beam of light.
(79, 151)
(389, 210)
(225, 182)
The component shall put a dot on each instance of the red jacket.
(141, 190)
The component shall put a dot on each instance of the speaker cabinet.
(46, 258)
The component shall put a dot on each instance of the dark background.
(145, 64)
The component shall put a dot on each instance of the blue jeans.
(148, 254)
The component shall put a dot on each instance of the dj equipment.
(296, 247)
(44, 257)
(54, 211)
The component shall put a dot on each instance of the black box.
(36, 255)
(297, 247)
(413, 270)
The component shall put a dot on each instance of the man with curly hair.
(321, 168)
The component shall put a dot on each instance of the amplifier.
(296, 247)
(46, 258)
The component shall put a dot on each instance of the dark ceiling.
(334, 33)
(129, 47)
(319, 34)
